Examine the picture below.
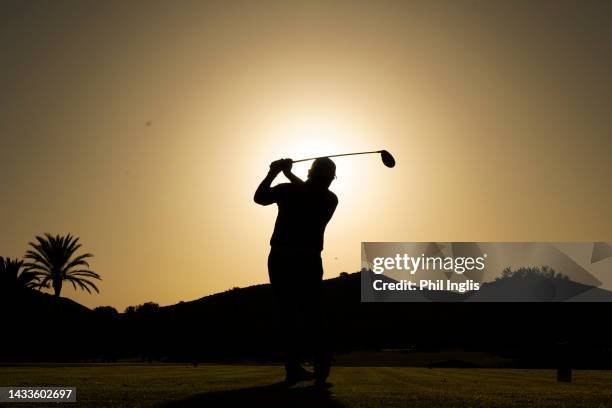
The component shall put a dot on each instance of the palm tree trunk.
(57, 287)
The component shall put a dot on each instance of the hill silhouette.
(37, 325)
(239, 325)
(513, 329)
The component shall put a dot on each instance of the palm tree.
(13, 278)
(53, 261)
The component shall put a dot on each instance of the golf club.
(386, 157)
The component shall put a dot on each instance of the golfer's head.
(322, 171)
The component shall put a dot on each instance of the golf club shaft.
(336, 155)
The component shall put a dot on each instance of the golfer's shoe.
(295, 376)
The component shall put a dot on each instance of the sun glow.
(302, 136)
(311, 137)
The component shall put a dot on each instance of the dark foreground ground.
(225, 385)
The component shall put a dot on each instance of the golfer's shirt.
(303, 213)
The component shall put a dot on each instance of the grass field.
(219, 385)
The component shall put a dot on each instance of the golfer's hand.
(280, 165)
(286, 165)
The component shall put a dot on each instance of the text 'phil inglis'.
(426, 284)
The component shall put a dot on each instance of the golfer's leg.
(284, 310)
(321, 340)
(292, 340)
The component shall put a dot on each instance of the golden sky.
(497, 112)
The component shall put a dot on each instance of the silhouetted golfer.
(294, 263)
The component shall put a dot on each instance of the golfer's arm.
(263, 194)
(293, 178)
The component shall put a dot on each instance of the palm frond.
(78, 261)
(84, 284)
(84, 272)
(38, 261)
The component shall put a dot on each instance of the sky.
(144, 128)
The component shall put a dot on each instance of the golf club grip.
(335, 155)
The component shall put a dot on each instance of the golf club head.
(387, 159)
